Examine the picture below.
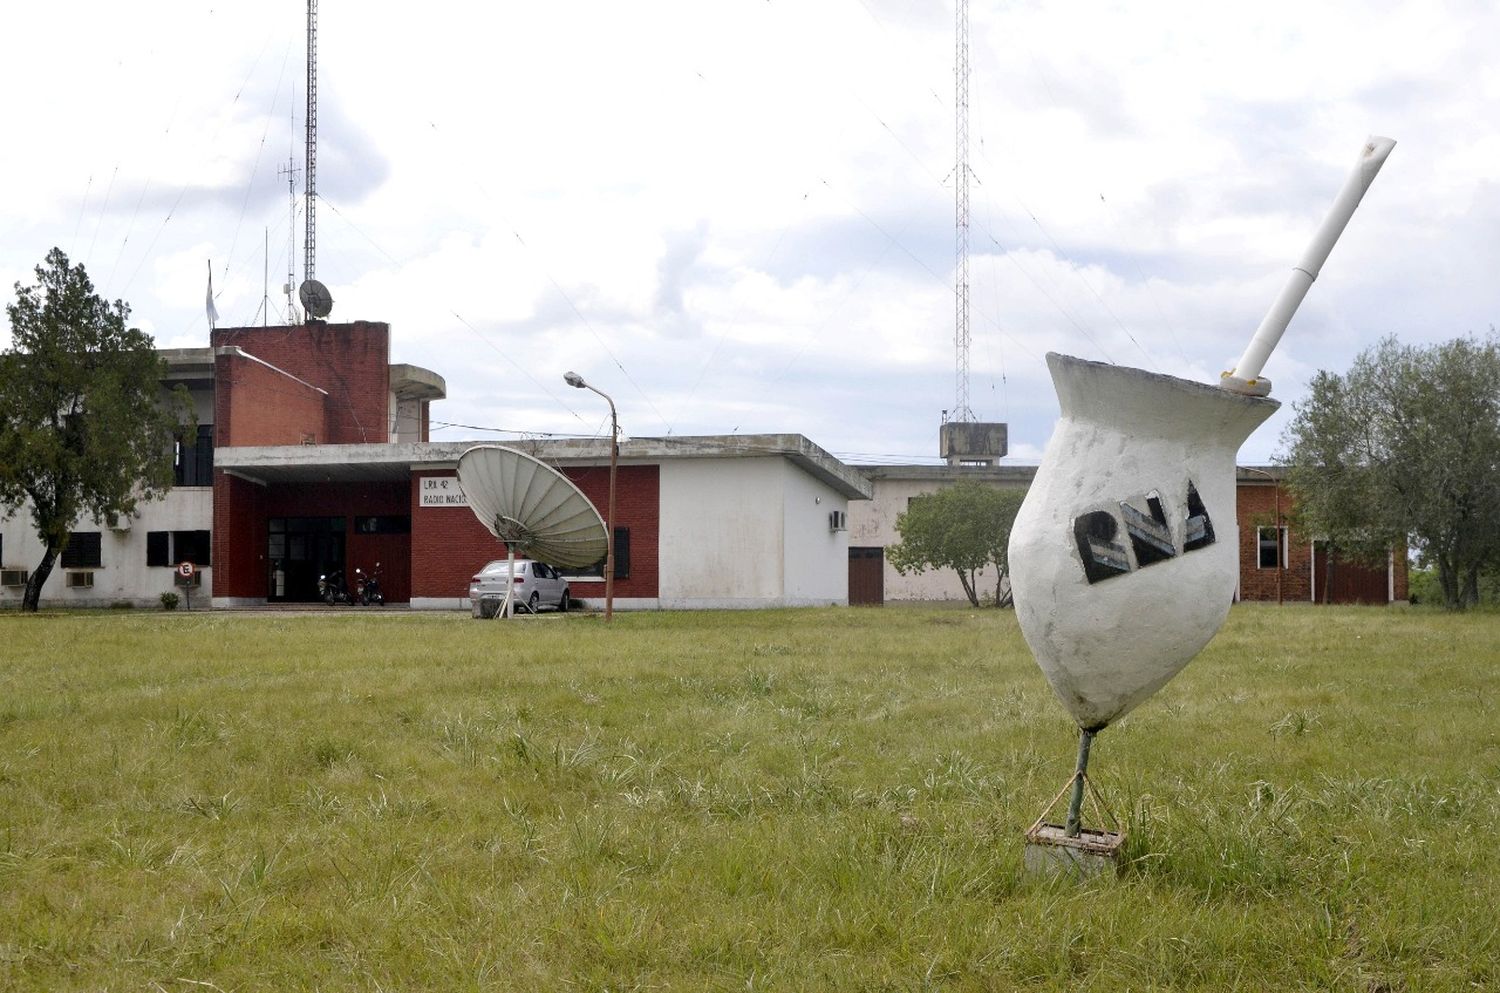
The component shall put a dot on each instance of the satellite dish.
(316, 299)
(531, 507)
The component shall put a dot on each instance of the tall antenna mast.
(310, 241)
(961, 409)
(962, 441)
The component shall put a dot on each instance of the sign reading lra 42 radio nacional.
(441, 491)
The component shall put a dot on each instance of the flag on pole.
(213, 312)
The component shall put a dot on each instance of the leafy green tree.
(964, 527)
(84, 425)
(1405, 447)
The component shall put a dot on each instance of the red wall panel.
(350, 361)
(239, 538)
(449, 545)
(257, 405)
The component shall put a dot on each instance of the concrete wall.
(872, 523)
(721, 526)
(123, 575)
(816, 557)
(749, 532)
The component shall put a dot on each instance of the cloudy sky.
(737, 215)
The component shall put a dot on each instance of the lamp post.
(1280, 551)
(577, 381)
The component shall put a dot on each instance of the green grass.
(793, 800)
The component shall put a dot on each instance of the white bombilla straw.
(1245, 377)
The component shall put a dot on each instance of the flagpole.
(213, 312)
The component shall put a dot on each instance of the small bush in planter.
(169, 600)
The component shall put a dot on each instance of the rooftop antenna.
(961, 440)
(290, 171)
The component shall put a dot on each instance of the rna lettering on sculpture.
(1146, 529)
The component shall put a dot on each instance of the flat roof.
(394, 462)
(951, 473)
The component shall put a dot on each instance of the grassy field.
(792, 800)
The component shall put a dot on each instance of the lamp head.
(574, 380)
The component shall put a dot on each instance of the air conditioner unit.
(14, 577)
(80, 580)
(120, 523)
(838, 520)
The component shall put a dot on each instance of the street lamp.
(1280, 552)
(576, 381)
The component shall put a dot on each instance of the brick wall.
(241, 509)
(239, 538)
(350, 361)
(1257, 508)
(257, 405)
(350, 500)
(449, 545)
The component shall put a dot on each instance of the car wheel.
(534, 602)
(562, 605)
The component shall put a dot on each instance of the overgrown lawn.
(793, 800)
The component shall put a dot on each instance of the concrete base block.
(1050, 852)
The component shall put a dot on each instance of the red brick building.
(322, 461)
(1279, 564)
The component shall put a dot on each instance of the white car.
(537, 585)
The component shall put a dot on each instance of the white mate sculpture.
(1125, 554)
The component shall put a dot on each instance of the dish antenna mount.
(316, 299)
(531, 507)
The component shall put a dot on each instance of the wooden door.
(866, 576)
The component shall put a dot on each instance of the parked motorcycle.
(332, 589)
(367, 587)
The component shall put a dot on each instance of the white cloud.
(745, 205)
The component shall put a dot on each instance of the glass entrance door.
(298, 551)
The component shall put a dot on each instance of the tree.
(964, 527)
(84, 426)
(1406, 447)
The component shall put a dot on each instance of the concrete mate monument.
(1125, 554)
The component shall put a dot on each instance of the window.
(1270, 541)
(622, 553)
(596, 571)
(191, 546)
(194, 464)
(167, 548)
(383, 524)
(157, 552)
(83, 551)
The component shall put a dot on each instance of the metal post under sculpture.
(1125, 554)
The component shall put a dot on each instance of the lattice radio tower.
(961, 409)
(963, 441)
(310, 175)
